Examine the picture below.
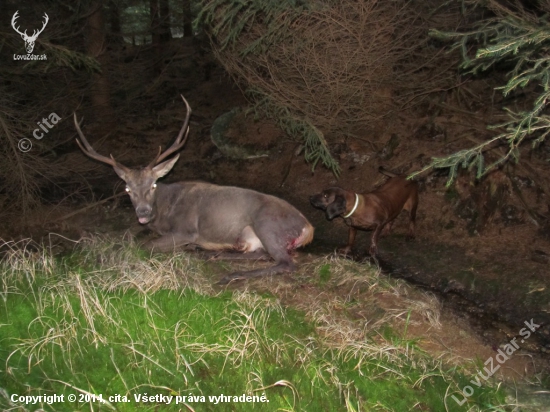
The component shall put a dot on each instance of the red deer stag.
(212, 217)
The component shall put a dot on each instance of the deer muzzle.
(144, 214)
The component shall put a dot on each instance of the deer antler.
(180, 140)
(178, 143)
(89, 150)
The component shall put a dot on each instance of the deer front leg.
(168, 243)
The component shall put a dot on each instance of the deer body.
(225, 218)
(215, 218)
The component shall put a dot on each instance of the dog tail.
(387, 172)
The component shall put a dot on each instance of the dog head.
(331, 200)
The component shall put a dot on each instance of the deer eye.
(154, 186)
(127, 189)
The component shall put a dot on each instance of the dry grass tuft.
(361, 288)
(123, 266)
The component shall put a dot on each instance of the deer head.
(29, 40)
(141, 183)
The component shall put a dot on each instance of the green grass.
(109, 321)
(324, 273)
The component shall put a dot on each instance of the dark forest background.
(328, 73)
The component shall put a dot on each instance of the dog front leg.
(351, 240)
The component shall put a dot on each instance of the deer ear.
(163, 168)
(121, 171)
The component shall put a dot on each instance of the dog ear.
(336, 208)
(317, 201)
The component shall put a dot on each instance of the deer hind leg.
(283, 267)
(247, 247)
(233, 255)
(274, 242)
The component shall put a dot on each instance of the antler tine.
(46, 20)
(89, 150)
(180, 140)
(13, 19)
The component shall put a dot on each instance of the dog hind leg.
(374, 241)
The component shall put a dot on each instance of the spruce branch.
(330, 68)
(315, 144)
(523, 39)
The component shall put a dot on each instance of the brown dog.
(370, 211)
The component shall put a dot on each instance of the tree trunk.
(165, 33)
(96, 45)
(155, 33)
(155, 22)
(115, 33)
(187, 19)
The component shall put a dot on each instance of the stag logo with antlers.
(29, 40)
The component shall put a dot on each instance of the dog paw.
(344, 251)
